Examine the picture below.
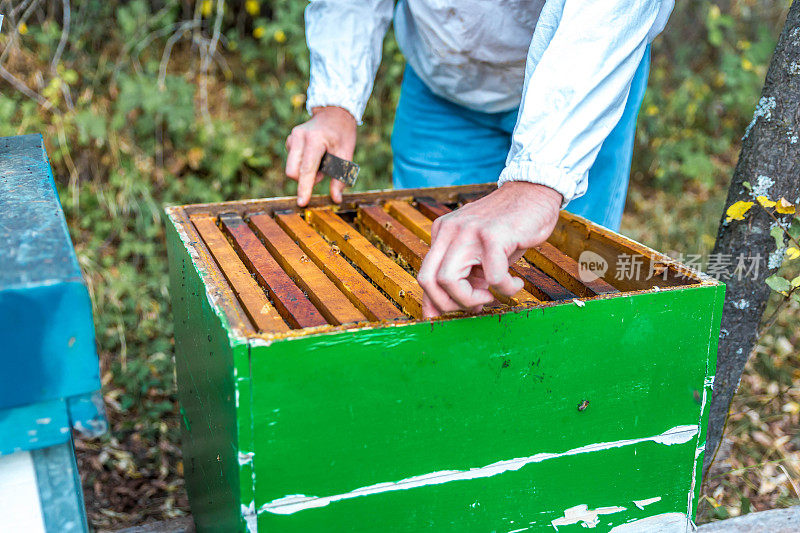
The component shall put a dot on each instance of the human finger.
(294, 147)
(309, 170)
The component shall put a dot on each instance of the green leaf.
(794, 228)
(778, 283)
(777, 234)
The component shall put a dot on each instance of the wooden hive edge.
(218, 292)
(227, 306)
(265, 339)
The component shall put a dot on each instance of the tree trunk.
(770, 162)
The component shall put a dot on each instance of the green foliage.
(702, 94)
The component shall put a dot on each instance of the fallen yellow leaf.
(792, 252)
(785, 207)
(795, 282)
(738, 210)
(765, 202)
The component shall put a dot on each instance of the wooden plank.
(430, 207)
(350, 200)
(574, 235)
(287, 297)
(387, 274)
(393, 233)
(264, 316)
(330, 301)
(468, 197)
(564, 269)
(404, 212)
(360, 291)
(538, 283)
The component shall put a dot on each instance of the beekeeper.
(541, 96)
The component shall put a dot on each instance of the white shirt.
(567, 64)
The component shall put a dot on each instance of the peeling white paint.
(518, 530)
(250, 517)
(660, 523)
(709, 382)
(299, 502)
(587, 517)
(43, 421)
(699, 450)
(641, 504)
(578, 302)
(245, 458)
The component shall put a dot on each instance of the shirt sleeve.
(578, 74)
(345, 39)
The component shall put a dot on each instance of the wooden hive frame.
(299, 271)
(276, 293)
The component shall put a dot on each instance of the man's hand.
(331, 129)
(472, 247)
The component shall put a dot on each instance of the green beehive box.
(315, 399)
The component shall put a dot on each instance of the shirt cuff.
(316, 98)
(570, 185)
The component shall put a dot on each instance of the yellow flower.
(259, 32)
(747, 64)
(765, 202)
(279, 36)
(250, 73)
(22, 28)
(252, 7)
(743, 45)
(205, 8)
(651, 110)
(738, 210)
(793, 253)
(298, 100)
(714, 12)
(784, 207)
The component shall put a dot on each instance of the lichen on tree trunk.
(770, 162)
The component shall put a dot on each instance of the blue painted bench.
(49, 372)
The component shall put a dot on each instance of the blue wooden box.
(50, 378)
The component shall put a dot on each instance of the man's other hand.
(330, 129)
(472, 247)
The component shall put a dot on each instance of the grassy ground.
(133, 123)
